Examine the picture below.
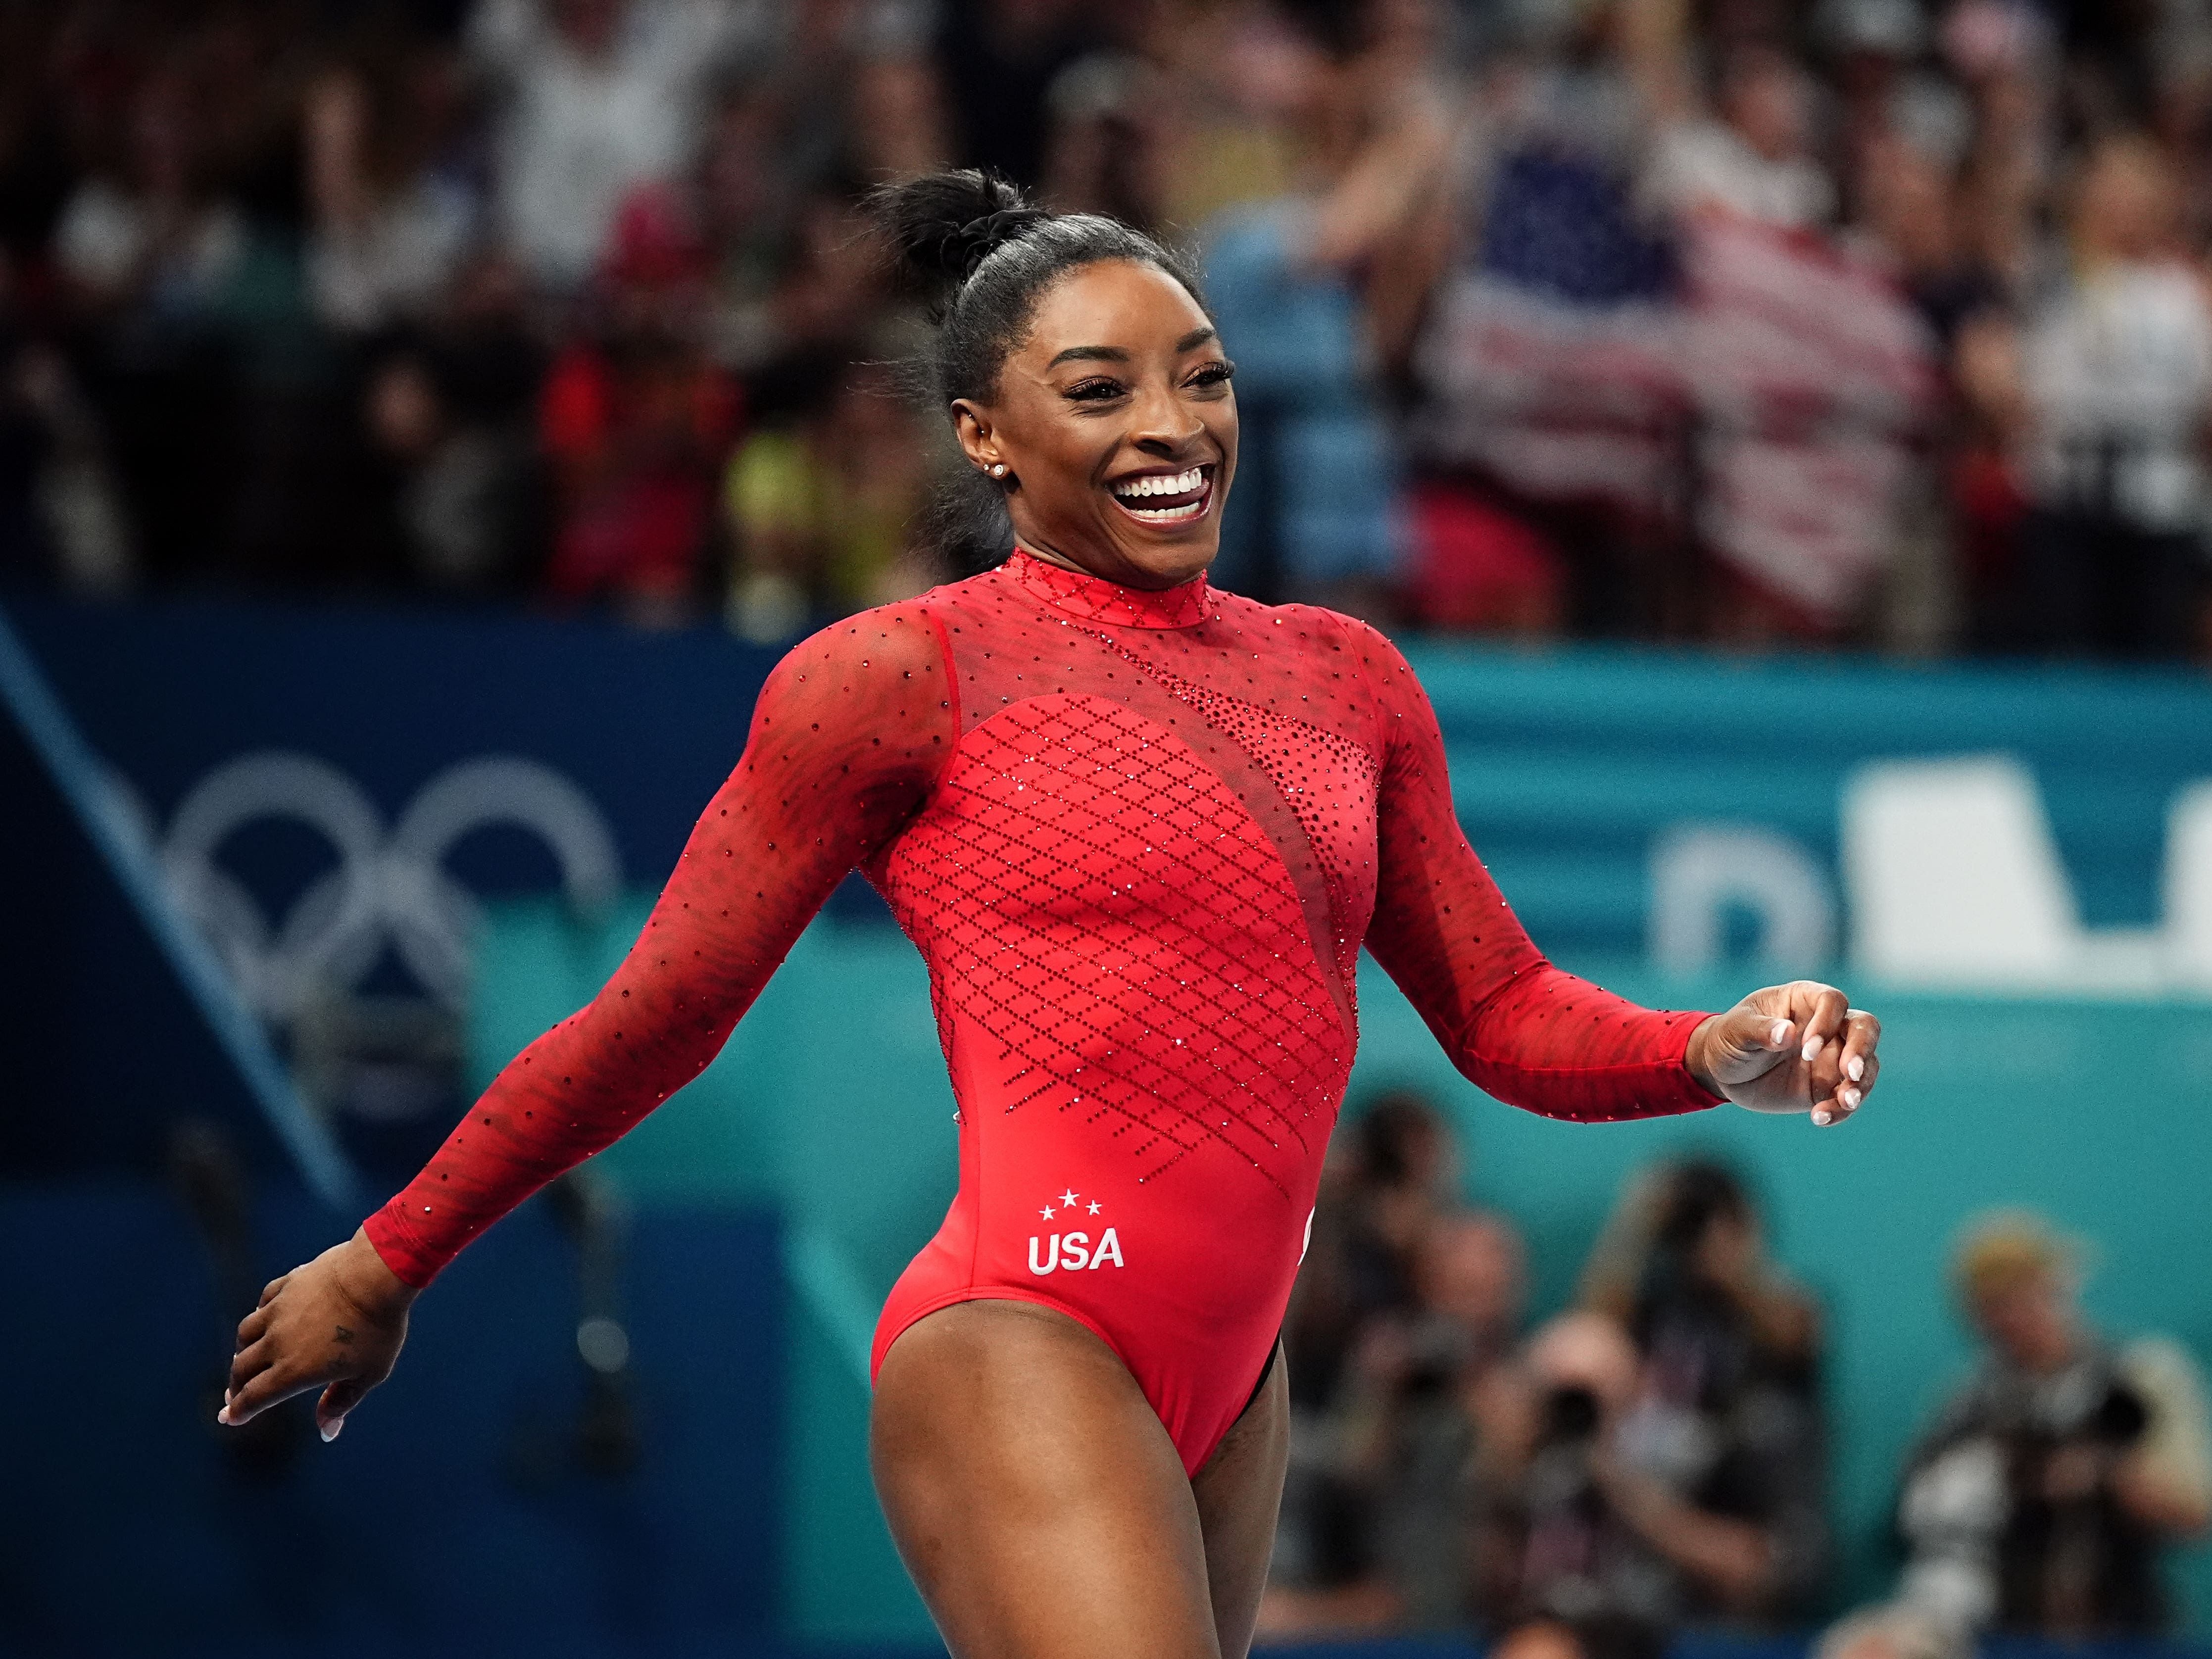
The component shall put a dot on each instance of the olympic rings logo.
(387, 887)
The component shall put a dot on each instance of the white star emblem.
(1048, 1213)
(1094, 1206)
(1068, 1200)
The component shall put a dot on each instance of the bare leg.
(1040, 1505)
(1240, 1494)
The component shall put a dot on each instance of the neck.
(1122, 575)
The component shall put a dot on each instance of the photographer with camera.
(2041, 1499)
(1378, 1518)
(1595, 1524)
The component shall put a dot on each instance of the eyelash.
(1097, 391)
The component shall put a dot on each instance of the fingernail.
(332, 1429)
(1854, 1068)
(223, 1416)
(1851, 1097)
(1780, 1034)
(1811, 1049)
(1822, 1118)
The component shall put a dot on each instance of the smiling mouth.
(1166, 498)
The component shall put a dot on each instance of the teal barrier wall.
(831, 1100)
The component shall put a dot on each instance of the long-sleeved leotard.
(1139, 838)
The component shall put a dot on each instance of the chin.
(1169, 566)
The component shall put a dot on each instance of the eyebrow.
(1196, 337)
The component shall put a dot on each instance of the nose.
(1162, 424)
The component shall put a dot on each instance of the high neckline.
(1079, 593)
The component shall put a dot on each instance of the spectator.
(460, 483)
(1423, 1392)
(149, 250)
(822, 510)
(1751, 155)
(593, 98)
(60, 522)
(1394, 1170)
(157, 233)
(1390, 1189)
(1596, 1518)
(2105, 404)
(1433, 1399)
(2042, 1498)
(1320, 515)
(1554, 1549)
(391, 225)
(1685, 1248)
(997, 60)
(844, 97)
(636, 420)
(1726, 1423)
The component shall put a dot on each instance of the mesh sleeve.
(850, 734)
(1515, 1026)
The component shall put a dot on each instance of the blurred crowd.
(1879, 323)
(1656, 1455)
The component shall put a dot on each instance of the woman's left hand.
(1794, 1047)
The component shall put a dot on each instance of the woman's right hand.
(337, 1322)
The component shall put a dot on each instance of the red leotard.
(1140, 838)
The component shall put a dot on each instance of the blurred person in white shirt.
(2105, 388)
(391, 225)
(593, 98)
(1751, 155)
(2051, 1481)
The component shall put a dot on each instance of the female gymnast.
(1139, 829)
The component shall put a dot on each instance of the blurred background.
(1777, 431)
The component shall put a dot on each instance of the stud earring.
(998, 469)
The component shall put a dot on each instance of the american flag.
(1791, 370)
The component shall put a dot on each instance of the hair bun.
(943, 225)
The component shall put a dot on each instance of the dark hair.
(1698, 1192)
(982, 256)
(1390, 1137)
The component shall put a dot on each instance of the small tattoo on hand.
(345, 1335)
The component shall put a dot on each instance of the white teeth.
(1180, 483)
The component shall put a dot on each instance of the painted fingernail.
(1811, 1049)
(223, 1416)
(1779, 1035)
(1851, 1097)
(1854, 1068)
(332, 1429)
(1822, 1117)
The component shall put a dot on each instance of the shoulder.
(1360, 649)
(2160, 1369)
(903, 633)
(1312, 626)
(886, 664)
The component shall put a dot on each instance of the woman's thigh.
(1033, 1494)
(1240, 1494)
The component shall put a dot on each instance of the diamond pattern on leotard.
(1098, 903)
(1329, 781)
(1088, 893)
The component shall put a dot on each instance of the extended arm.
(1515, 1025)
(849, 736)
(1541, 1039)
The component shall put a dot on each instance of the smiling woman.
(1139, 829)
(1124, 419)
